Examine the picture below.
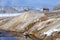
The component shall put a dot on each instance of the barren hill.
(40, 26)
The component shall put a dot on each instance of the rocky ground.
(39, 26)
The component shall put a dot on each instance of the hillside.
(40, 26)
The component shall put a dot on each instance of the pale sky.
(33, 3)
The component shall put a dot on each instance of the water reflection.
(8, 38)
(7, 35)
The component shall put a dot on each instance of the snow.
(9, 14)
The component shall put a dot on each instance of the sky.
(32, 3)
